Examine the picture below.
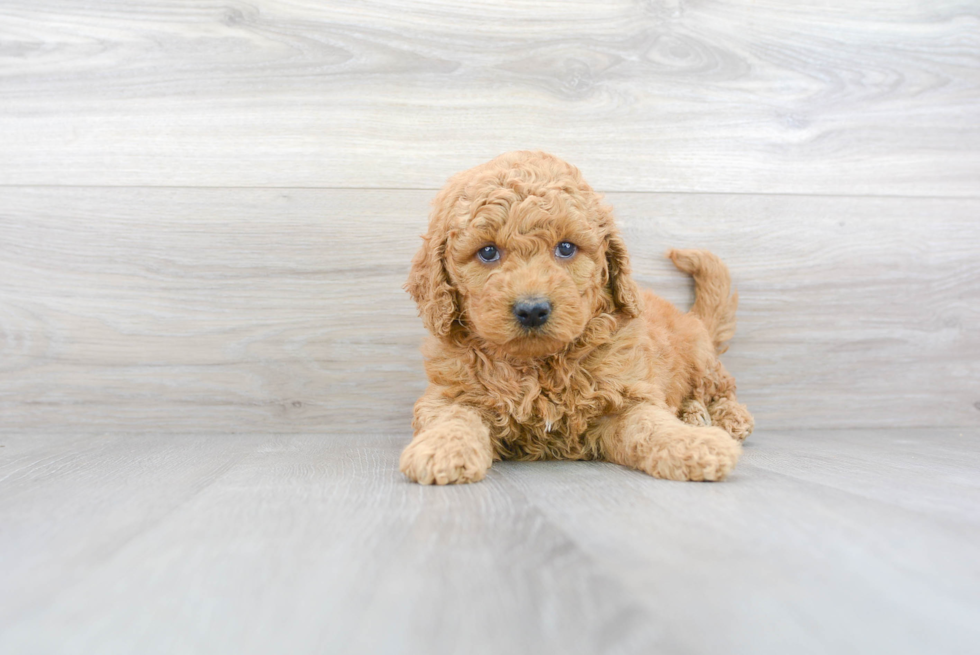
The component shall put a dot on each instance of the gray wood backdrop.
(207, 210)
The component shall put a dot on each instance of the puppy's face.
(528, 274)
(521, 255)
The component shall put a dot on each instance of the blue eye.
(488, 254)
(565, 250)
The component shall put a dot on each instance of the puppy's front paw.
(702, 454)
(446, 455)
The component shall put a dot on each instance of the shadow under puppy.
(543, 346)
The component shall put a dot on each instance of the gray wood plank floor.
(846, 541)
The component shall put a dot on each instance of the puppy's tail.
(714, 302)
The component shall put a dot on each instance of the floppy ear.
(428, 283)
(625, 293)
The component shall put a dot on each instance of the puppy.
(543, 347)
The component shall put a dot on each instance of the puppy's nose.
(532, 312)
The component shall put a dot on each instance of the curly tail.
(714, 303)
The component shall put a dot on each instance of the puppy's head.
(520, 254)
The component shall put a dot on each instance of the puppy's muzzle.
(532, 312)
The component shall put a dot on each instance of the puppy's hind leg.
(725, 410)
(694, 412)
(732, 416)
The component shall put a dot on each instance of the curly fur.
(615, 373)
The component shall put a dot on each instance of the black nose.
(533, 312)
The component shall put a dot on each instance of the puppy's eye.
(565, 249)
(488, 254)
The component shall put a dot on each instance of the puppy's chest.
(546, 415)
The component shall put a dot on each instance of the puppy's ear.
(625, 293)
(428, 282)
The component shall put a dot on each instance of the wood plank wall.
(207, 210)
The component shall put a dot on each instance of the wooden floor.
(207, 211)
(845, 541)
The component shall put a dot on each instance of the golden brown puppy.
(543, 347)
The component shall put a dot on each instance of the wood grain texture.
(821, 542)
(808, 548)
(865, 97)
(210, 310)
(305, 544)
